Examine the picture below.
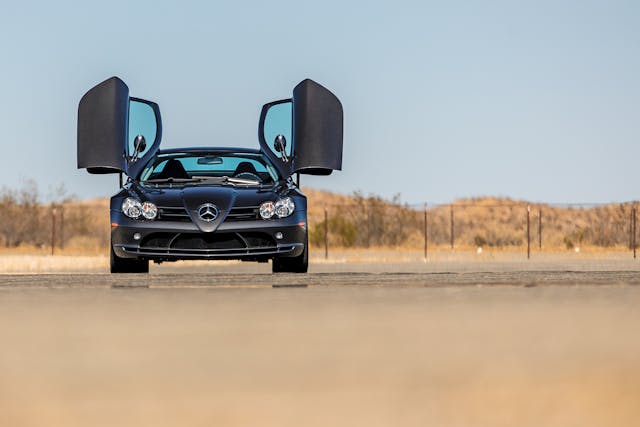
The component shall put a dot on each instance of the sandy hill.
(357, 220)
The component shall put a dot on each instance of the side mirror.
(139, 145)
(280, 145)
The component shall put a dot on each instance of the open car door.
(303, 134)
(116, 133)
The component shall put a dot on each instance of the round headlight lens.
(267, 209)
(149, 210)
(132, 208)
(284, 207)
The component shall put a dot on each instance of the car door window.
(278, 121)
(142, 121)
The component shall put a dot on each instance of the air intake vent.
(243, 214)
(173, 214)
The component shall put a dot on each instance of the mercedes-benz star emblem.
(208, 212)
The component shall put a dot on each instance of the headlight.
(284, 207)
(132, 208)
(149, 210)
(267, 209)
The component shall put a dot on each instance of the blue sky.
(535, 100)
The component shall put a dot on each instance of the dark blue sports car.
(209, 202)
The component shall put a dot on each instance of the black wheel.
(299, 264)
(123, 265)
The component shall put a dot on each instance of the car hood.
(193, 197)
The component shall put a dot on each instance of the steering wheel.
(248, 175)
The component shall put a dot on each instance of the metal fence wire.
(475, 225)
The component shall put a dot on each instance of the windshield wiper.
(242, 181)
(181, 180)
(204, 179)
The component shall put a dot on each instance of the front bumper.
(246, 240)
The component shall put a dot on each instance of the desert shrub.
(479, 240)
(26, 220)
(342, 232)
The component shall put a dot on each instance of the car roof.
(210, 150)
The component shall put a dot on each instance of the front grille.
(207, 242)
(243, 214)
(257, 239)
(210, 241)
(173, 214)
(158, 240)
(181, 215)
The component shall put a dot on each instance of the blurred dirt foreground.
(440, 344)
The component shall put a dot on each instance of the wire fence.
(477, 226)
(370, 223)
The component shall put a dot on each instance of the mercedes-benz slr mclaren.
(209, 203)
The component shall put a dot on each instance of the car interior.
(174, 168)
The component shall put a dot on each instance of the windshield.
(210, 168)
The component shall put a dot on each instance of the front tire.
(299, 264)
(124, 265)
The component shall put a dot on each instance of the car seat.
(245, 167)
(173, 169)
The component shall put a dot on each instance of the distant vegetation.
(360, 221)
(27, 219)
(354, 221)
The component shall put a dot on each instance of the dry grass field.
(346, 259)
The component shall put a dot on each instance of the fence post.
(528, 232)
(426, 229)
(368, 210)
(326, 233)
(540, 229)
(633, 241)
(61, 227)
(452, 227)
(53, 228)
(631, 228)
